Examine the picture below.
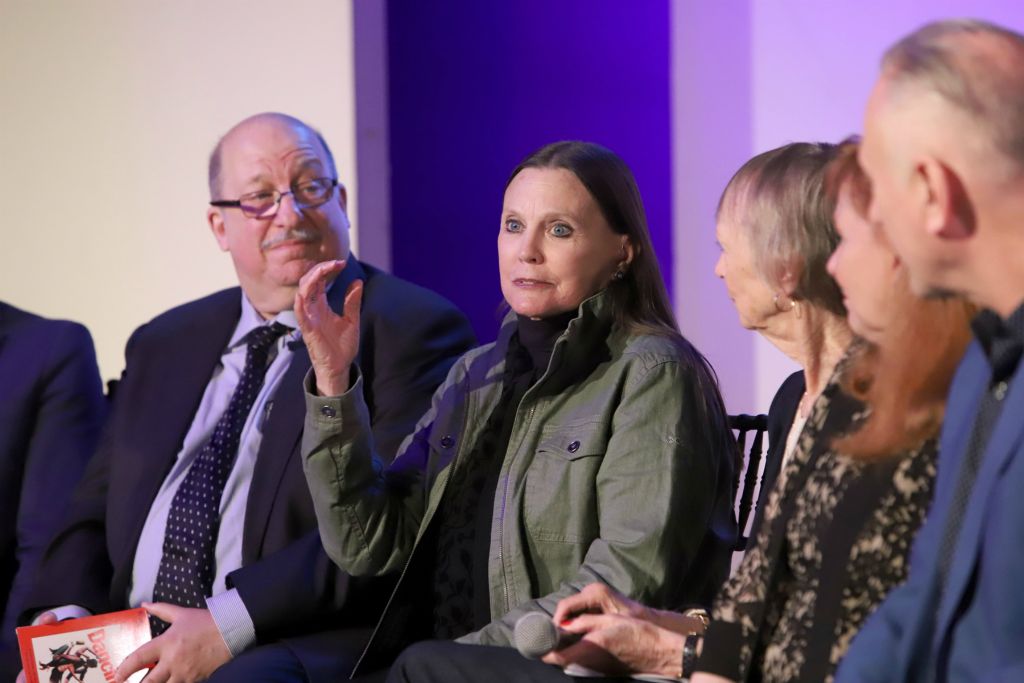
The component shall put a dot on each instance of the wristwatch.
(689, 663)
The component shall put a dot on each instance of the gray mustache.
(300, 234)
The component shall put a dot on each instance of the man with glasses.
(196, 504)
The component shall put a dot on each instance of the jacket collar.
(1001, 340)
(582, 340)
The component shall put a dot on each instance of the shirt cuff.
(65, 612)
(233, 621)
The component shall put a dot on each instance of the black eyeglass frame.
(278, 197)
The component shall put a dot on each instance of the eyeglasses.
(264, 204)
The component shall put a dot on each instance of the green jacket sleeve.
(369, 516)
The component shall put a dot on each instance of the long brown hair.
(905, 376)
(639, 300)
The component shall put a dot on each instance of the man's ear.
(947, 209)
(343, 198)
(215, 219)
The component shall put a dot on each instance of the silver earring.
(619, 275)
(775, 300)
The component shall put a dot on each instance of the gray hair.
(214, 166)
(779, 202)
(976, 66)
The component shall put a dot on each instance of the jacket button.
(328, 411)
(574, 446)
(447, 441)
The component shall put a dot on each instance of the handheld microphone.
(535, 635)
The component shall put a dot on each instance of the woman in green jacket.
(588, 443)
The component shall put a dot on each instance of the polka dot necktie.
(187, 567)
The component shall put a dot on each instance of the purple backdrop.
(476, 86)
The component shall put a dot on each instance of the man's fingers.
(299, 306)
(324, 271)
(354, 300)
(45, 618)
(334, 267)
(316, 277)
(163, 610)
(158, 674)
(143, 656)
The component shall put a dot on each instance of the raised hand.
(331, 339)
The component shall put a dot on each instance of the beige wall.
(108, 110)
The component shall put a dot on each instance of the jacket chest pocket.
(560, 500)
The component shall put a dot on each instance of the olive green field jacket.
(619, 469)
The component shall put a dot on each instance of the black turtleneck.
(538, 336)
(461, 596)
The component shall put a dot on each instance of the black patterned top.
(835, 540)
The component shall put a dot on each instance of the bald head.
(974, 67)
(214, 168)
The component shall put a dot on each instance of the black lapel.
(282, 434)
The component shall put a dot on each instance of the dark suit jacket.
(51, 413)
(409, 339)
(980, 623)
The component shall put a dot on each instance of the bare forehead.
(269, 144)
(548, 189)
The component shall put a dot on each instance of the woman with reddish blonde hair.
(905, 372)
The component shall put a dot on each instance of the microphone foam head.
(535, 635)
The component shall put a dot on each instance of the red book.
(86, 650)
